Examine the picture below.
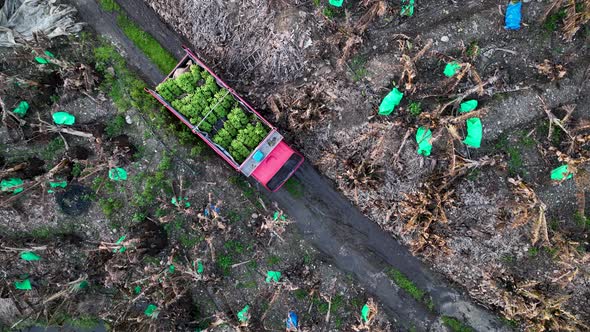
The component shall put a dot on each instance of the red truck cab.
(271, 163)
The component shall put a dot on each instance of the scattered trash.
(474, 133)
(152, 311)
(407, 8)
(336, 3)
(41, 60)
(21, 109)
(13, 184)
(423, 136)
(29, 256)
(390, 101)
(513, 15)
(365, 311)
(200, 268)
(181, 201)
(59, 184)
(117, 174)
(119, 241)
(243, 315)
(451, 69)
(468, 106)
(561, 173)
(273, 276)
(445, 39)
(23, 285)
(278, 215)
(82, 285)
(212, 209)
(292, 322)
(64, 118)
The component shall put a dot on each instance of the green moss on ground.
(456, 325)
(410, 287)
(143, 40)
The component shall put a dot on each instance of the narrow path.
(327, 220)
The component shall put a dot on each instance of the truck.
(212, 110)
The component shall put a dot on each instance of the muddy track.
(327, 219)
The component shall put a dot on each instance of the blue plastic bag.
(292, 321)
(513, 16)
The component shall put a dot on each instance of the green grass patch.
(273, 260)
(410, 287)
(415, 108)
(249, 284)
(294, 187)
(54, 149)
(456, 325)
(147, 44)
(239, 181)
(188, 241)
(224, 262)
(300, 294)
(115, 126)
(515, 160)
(143, 40)
(473, 50)
(110, 206)
(357, 66)
(552, 21)
(109, 5)
(581, 220)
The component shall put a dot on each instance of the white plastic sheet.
(19, 19)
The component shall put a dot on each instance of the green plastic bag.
(273, 276)
(42, 60)
(82, 285)
(23, 285)
(468, 106)
(49, 54)
(561, 173)
(365, 313)
(178, 202)
(243, 314)
(151, 311)
(29, 256)
(123, 248)
(13, 184)
(423, 136)
(21, 109)
(336, 3)
(474, 133)
(117, 174)
(390, 102)
(64, 118)
(451, 69)
(61, 184)
(275, 216)
(137, 289)
(407, 8)
(171, 268)
(200, 268)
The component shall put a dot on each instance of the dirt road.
(337, 229)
